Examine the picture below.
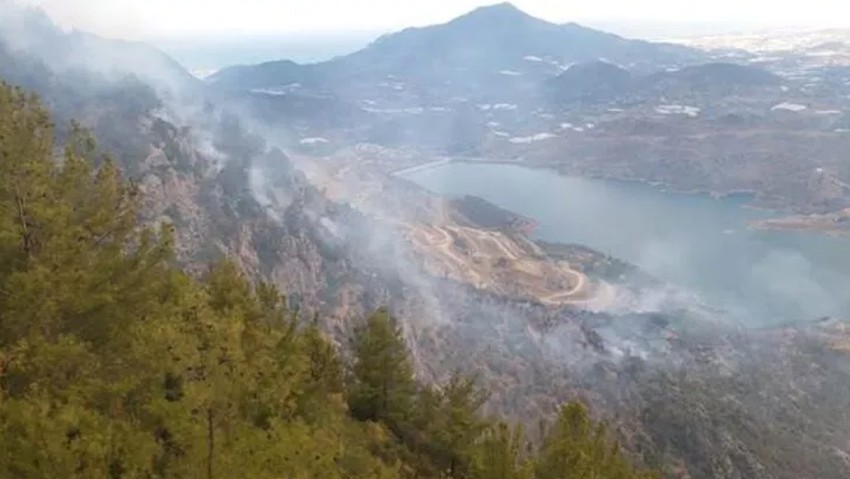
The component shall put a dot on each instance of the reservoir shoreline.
(752, 197)
(702, 243)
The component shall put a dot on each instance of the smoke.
(754, 282)
(789, 280)
(530, 356)
(28, 31)
(114, 18)
(641, 324)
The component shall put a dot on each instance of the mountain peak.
(497, 13)
(500, 7)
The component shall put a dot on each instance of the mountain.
(591, 80)
(266, 75)
(696, 398)
(199, 166)
(492, 49)
(28, 32)
(604, 82)
(713, 78)
(501, 37)
(73, 69)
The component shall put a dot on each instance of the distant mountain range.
(768, 404)
(492, 49)
(600, 81)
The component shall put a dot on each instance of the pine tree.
(383, 387)
(323, 386)
(26, 142)
(455, 425)
(501, 453)
(114, 363)
(77, 275)
(576, 447)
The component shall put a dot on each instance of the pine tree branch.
(19, 201)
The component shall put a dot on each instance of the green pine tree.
(383, 387)
(501, 453)
(577, 447)
(455, 425)
(115, 363)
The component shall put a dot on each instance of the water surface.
(693, 241)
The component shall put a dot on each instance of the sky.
(136, 19)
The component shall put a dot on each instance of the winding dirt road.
(524, 269)
(566, 296)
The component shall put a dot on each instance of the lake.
(696, 242)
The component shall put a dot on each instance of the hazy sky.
(140, 18)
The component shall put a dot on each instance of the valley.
(650, 303)
(720, 121)
(466, 240)
(704, 244)
(560, 212)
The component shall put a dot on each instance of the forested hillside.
(115, 363)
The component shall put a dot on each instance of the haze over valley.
(657, 229)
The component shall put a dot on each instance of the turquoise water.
(697, 242)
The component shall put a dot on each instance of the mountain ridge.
(601, 81)
(532, 356)
(476, 46)
(29, 31)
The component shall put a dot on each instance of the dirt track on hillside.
(494, 260)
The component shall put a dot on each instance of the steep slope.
(28, 32)
(198, 166)
(230, 194)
